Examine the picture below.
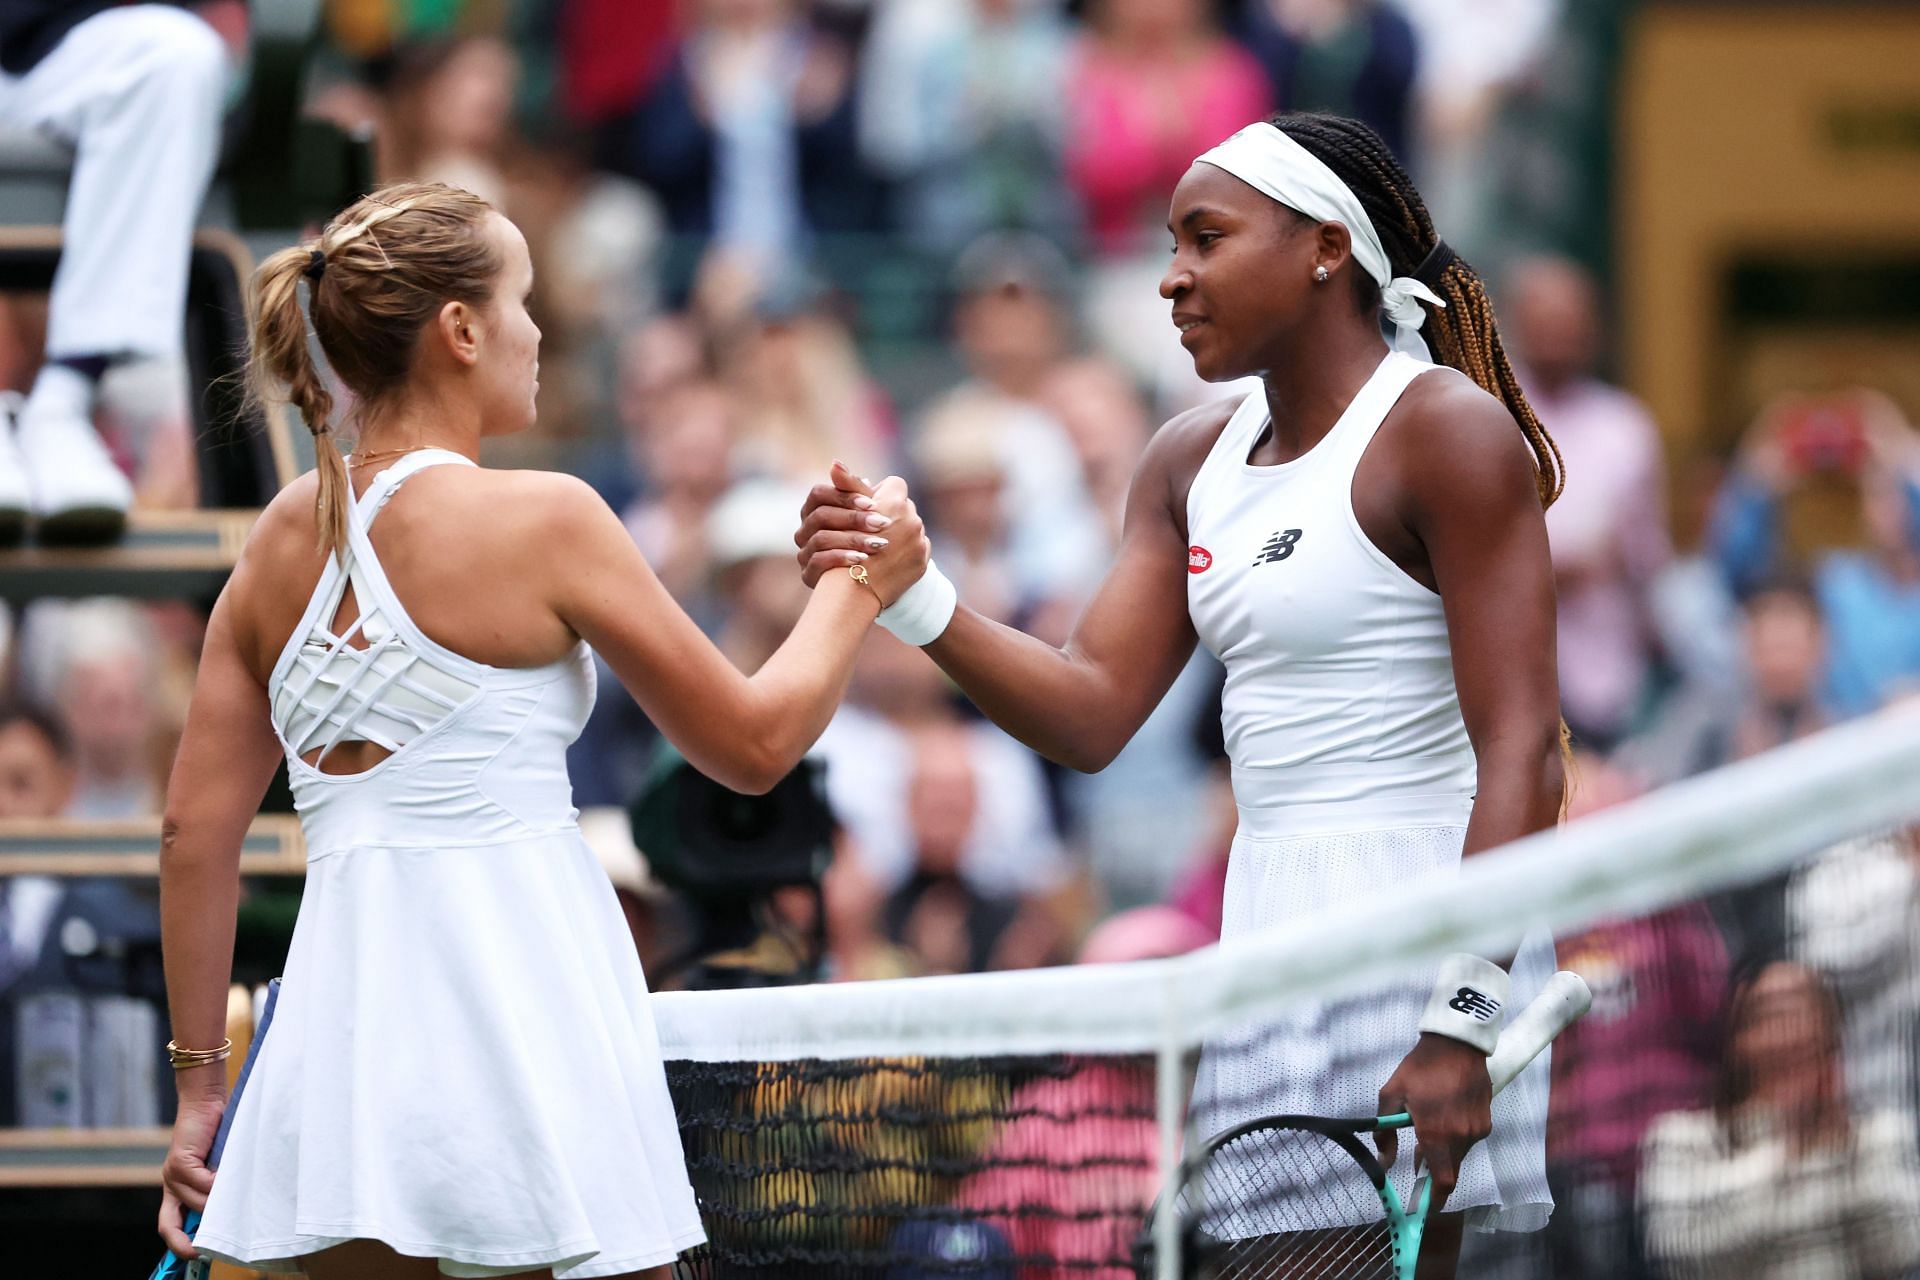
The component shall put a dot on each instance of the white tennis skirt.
(1329, 1058)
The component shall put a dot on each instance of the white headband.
(1282, 170)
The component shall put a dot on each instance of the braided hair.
(1463, 335)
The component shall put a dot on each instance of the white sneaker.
(15, 500)
(79, 494)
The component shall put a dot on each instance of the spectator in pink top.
(1609, 532)
(1151, 86)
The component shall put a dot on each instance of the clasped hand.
(847, 521)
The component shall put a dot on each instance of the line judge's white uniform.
(1353, 776)
(462, 1063)
(138, 91)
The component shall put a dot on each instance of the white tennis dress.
(1353, 776)
(463, 1063)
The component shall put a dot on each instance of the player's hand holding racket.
(1304, 1198)
(185, 1177)
(1446, 1087)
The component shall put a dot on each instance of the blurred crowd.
(923, 236)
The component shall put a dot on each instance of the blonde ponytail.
(376, 276)
(281, 369)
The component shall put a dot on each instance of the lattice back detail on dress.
(375, 679)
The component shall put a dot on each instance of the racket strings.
(1351, 1253)
(1291, 1204)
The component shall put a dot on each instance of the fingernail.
(863, 502)
(877, 522)
(876, 544)
(859, 557)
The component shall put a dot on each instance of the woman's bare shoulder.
(520, 506)
(1178, 450)
(286, 536)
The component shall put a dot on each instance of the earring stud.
(1321, 274)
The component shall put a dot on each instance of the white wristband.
(1469, 1001)
(923, 611)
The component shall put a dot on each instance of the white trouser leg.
(138, 92)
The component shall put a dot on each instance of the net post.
(1169, 1071)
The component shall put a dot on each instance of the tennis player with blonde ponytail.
(461, 1076)
(1362, 543)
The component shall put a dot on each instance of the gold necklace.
(357, 459)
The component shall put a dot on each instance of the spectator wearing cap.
(1128, 815)
(749, 536)
(960, 108)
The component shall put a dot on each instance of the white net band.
(1722, 829)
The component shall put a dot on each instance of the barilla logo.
(1199, 559)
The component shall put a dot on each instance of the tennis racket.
(1305, 1198)
(173, 1266)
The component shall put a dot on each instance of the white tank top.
(1340, 710)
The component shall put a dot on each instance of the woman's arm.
(1470, 499)
(228, 754)
(1079, 704)
(1464, 484)
(745, 732)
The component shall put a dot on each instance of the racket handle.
(173, 1266)
(1558, 1006)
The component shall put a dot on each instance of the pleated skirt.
(462, 1065)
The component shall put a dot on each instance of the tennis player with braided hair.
(461, 1076)
(1363, 544)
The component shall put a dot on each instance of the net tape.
(1725, 828)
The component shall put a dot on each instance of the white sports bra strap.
(393, 689)
(1370, 407)
(388, 482)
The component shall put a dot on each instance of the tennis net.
(1752, 938)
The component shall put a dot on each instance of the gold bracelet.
(184, 1059)
(858, 572)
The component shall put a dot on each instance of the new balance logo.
(1278, 547)
(1474, 1004)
